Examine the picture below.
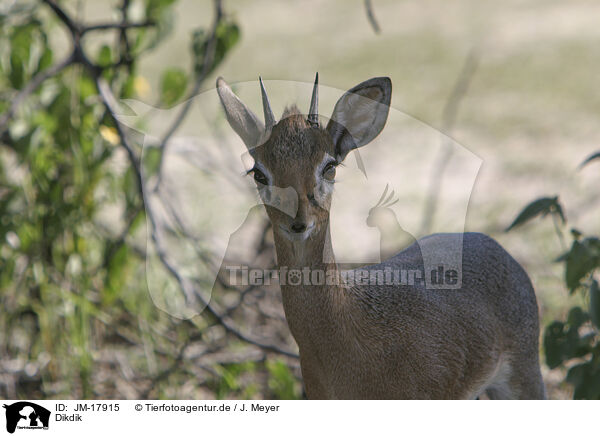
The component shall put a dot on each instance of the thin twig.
(231, 329)
(117, 26)
(73, 27)
(460, 90)
(125, 46)
(110, 103)
(448, 119)
(371, 16)
(559, 233)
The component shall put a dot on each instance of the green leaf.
(21, 42)
(539, 207)
(562, 340)
(161, 12)
(595, 303)
(553, 344)
(104, 58)
(585, 378)
(593, 244)
(590, 159)
(128, 89)
(151, 158)
(577, 317)
(116, 273)
(87, 87)
(582, 259)
(155, 8)
(45, 60)
(17, 72)
(172, 86)
(227, 36)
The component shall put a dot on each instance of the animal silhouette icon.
(26, 414)
(393, 238)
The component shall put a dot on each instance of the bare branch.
(117, 26)
(73, 27)
(460, 89)
(231, 329)
(371, 16)
(110, 103)
(448, 119)
(125, 46)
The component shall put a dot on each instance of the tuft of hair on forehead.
(294, 140)
(292, 118)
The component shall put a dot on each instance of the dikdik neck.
(311, 308)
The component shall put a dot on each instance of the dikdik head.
(298, 152)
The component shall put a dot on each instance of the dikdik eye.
(329, 171)
(259, 177)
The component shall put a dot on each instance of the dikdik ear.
(240, 118)
(360, 115)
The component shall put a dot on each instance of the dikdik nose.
(298, 227)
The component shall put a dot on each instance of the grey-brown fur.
(408, 342)
(388, 341)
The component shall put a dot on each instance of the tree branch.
(117, 26)
(111, 103)
(448, 119)
(125, 46)
(371, 16)
(73, 27)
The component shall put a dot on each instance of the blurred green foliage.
(575, 342)
(71, 282)
(172, 86)
(282, 382)
(227, 35)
